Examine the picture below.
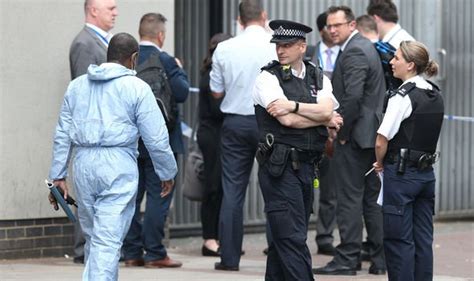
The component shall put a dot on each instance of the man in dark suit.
(325, 52)
(90, 47)
(152, 36)
(359, 86)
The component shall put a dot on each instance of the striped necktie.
(329, 64)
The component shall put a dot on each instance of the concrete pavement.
(453, 249)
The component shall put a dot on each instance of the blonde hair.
(416, 52)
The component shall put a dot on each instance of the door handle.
(442, 64)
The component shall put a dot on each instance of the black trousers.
(326, 222)
(356, 197)
(288, 204)
(208, 137)
(408, 209)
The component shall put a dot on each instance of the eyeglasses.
(336, 25)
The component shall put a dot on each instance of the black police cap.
(288, 31)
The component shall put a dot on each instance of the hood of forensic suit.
(108, 71)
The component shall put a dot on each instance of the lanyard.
(101, 37)
(320, 57)
(391, 37)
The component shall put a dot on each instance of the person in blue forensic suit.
(293, 104)
(103, 114)
(149, 236)
(405, 151)
(90, 47)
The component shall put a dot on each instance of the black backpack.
(387, 52)
(153, 73)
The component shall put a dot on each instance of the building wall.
(34, 42)
(429, 21)
(455, 196)
(34, 73)
(34, 45)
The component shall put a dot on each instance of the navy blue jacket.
(178, 80)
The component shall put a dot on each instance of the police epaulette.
(435, 87)
(271, 64)
(405, 89)
(309, 62)
(317, 71)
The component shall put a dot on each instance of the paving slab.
(453, 250)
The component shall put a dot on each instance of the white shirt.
(101, 34)
(396, 35)
(235, 65)
(149, 43)
(343, 46)
(267, 88)
(323, 56)
(399, 108)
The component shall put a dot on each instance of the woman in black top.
(208, 136)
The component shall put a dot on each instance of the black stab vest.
(299, 90)
(421, 130)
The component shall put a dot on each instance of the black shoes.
(220, 266)
(364, 252)
(333, 268)
(265, 251)
(210, 253)
(326, 249)
(358, 266)
(377, 271)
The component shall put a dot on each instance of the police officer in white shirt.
(293, 105)
(405, 152)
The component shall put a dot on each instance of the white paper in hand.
(380, 198)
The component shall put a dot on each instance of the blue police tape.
(459, 118)
(448, 117)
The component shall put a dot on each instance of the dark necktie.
(337, 59)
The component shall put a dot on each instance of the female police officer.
(405, 151)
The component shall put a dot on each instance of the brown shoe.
(166, 262)
(134, 262)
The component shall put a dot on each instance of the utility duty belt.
(405, 157)
(276, 156)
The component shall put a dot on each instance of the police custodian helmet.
(288, 31)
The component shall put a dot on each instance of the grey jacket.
(359, 86)
(87, 48)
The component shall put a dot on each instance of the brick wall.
(35, 238)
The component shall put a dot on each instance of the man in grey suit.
(359, 86)
(90, 47)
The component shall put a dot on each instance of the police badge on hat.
(288, 31)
